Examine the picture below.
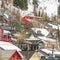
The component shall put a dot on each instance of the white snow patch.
(6, 32)
(8, 46)
(46, 39)
(48, 51)
(54, 26)
(6, 15)
(44, 32)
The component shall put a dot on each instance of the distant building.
(35, 42)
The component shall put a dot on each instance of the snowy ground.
(51, 7)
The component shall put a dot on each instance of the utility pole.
(59, 8)
(58, 34)
(52, 50)
(58, 37)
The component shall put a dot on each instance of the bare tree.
(21, 37)
(35, 7)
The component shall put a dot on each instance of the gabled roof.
(32, 37)
(35, 56)
(8, 46)
(27, 54)
(7, 54)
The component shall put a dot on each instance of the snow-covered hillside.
(51, 7)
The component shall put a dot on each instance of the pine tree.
(23, 4)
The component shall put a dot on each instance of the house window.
(9, 37)
(4, 36)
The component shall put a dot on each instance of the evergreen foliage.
(23, 4)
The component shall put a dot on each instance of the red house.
(10, 55)
(16, 56)
(4, 37)
(26, 21)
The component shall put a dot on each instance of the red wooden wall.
(16, 56)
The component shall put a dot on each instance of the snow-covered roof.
(8, 46)
(48, 51)
(54, 26)
(47, 39)
(6, 32)
(32, 37)
(44, 32)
